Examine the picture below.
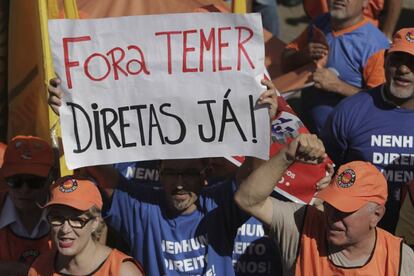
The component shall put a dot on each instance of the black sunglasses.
(184, 174)
(74, 222)
(32, 183)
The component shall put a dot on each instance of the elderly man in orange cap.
(341, 240)
(24, 230)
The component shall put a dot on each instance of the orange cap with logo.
(78, 193)
(27, 155)
(403, 41)
(355, 184)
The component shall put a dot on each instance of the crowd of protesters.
(209, 217)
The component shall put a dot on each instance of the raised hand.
(305, 148)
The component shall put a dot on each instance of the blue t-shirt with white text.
(200, 243)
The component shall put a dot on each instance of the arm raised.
(253, 195)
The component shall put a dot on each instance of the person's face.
(182, 181)
(345, 229)
(27, 191)
(71, 229)
(344, 10)
(399, 73)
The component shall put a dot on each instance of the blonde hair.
(95, 212)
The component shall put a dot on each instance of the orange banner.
(27, 101)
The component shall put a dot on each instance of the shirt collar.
(8, 213)
(9, 216)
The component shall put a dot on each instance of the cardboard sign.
(160, 87)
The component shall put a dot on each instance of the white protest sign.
(160, 87)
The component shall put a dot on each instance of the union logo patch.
(410, 37)
(28, 256)
(346, 179)
(68, 186)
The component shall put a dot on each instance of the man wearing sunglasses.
(24, 230)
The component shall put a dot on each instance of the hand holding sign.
(269, 97)
(55, 95)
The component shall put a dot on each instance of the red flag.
(299, 181)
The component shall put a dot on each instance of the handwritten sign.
(160, 87)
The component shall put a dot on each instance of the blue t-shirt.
(348, 55)
(366, 127)
(200, 243)
(145, 172)
(254, 252)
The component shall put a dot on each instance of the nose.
(180, 180)
(65, 227)
(24, 189)
(404, 69)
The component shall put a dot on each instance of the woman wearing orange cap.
(76, 222)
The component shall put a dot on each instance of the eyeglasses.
(32, 183)
(186, 174)
(74, 222)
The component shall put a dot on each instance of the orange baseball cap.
(403, 41)
(355, 184)
(28, 155)
(75, 192)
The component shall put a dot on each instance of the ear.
(377, 214)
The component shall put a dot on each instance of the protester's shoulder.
(126, 261)
(407, 260)
(358, 100)
(42, 262)
(288, 209)
(408, 252)
(373, 37)
(121, 257)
